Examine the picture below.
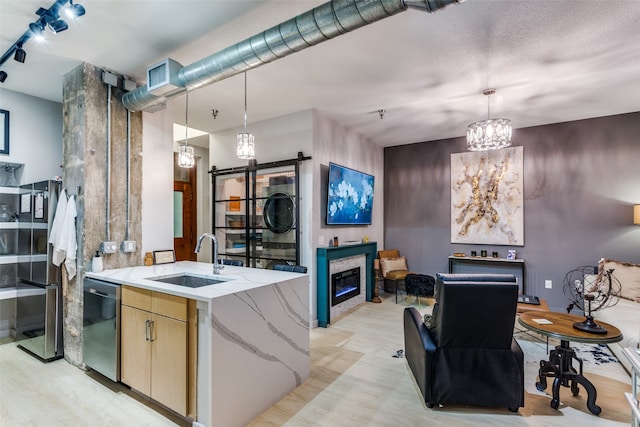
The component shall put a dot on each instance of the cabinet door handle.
(151, 330)
(146, 330)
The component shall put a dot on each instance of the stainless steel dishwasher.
(101, 325)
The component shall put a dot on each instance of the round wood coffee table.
(560, 363)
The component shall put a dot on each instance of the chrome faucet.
(217, 267)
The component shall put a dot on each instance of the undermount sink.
(187, 280)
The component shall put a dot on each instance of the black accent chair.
(467, 355)
(234, 262)
(292, 268)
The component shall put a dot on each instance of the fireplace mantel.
(325, 256)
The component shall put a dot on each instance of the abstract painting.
(487, 202)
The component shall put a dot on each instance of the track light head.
(20, 55)
(3, 76)
(75, 10)
(36, 30)
(57, 26)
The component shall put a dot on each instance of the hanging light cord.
(245, 102)
(488, 93)
(186, 119)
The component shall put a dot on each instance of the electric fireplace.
(345, 285)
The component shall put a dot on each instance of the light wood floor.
(354, 381)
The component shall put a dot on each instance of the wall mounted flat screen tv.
(349, 196)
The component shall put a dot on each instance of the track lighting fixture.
(36, 30)
(46, 18)
(20, 54)
(74, 10)
(57, 26)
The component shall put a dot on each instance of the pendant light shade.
(490, 134)
(186, 156)
(245, 148)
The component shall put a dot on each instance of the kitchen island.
(253, 335)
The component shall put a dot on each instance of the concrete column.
(85, 111)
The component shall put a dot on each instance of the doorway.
(185, 213)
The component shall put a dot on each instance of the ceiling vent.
(163, 77)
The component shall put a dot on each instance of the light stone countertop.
(237, 279)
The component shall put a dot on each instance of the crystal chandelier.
(489, 134)
(246, 142)
(186, 157)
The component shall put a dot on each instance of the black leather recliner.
(467, 355)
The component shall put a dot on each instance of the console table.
(489, 265)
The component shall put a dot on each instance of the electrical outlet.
(321, 241)
(548, 284)
(108, 247)
(128, 246)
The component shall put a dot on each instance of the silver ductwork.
(322, 23)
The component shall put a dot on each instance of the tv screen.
(349, 196)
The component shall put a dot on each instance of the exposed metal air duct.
(322, 23)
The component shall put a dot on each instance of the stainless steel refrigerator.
(39, 293)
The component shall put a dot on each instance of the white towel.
(63, 234)
(68, 237)
(56, 229)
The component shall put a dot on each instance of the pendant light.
(489, 134)
(246, 142)
(186, 157)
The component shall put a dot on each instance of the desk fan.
(591, 290)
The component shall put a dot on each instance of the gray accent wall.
(581, 180)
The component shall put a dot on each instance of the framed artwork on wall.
(4, 132)
(487, 200)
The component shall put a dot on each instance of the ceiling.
(550, 61)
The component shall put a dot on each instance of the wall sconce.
(636, 214)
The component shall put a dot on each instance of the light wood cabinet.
(157, 339)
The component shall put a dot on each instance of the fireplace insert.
(345, 285)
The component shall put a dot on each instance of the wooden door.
(184, 225)
(169, 363)
(185, 220)
(135, 349)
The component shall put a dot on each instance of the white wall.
(35, 135)
(335, 143)
(157, 181)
